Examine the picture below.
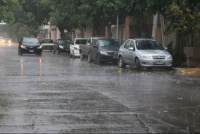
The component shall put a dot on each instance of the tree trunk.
(109, 31)
(62, 34)
(187, 52)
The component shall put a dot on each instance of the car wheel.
(19, 53)
(73, 55)
(121, 63)
(81, 56)
(89, 58)
(58, 51)
(98, 59)
(54, 52)
(40, 53)
(137, 62)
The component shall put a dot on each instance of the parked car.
(84, 48)
(62, 46)
(144, 53)
(47, 44)
(103, 50)
(29, 45)
(74, 48)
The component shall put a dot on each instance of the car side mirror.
(132, 49)
(88, 44)
(166, 48)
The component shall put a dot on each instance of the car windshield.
(64, 42)
(108, 43)
(148, 45)
(47, 41)
(30, 40)
(81, 41)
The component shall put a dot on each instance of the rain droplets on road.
(56, 94)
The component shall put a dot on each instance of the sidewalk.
(194, 68)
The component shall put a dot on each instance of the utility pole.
(155, 23)
(162, 21)
(117, 32)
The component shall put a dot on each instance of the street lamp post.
(117, 32)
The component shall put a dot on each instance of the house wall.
(88, 32)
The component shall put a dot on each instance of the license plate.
(31, 51)
(159, 62)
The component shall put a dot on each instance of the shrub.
(178, 57)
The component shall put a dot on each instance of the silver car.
(144, 53)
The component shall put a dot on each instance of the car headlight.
(9, 41)
(145, 57)
(40, 47)
(103, 53)
(169, 57)
(22, 46)
(61, 47)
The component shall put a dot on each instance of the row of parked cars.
(142, 52)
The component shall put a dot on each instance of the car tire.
(121, 63)
(73, 56)
(58, 52)
(137, 62)
(19, 52)
(89, 58)
(54, 52)
(81, 56)
(98, 59)
(40, 53)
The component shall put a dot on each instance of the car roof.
(63, 39)
(105, 39)
(47, 39)
(81, 38)
(30, 37)
(97, 38)
(140, 39)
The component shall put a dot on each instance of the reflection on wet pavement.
(56, 94)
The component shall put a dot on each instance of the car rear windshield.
(30, 40)
(148, 45)
(81, 41)
(64, 42)
(107, 43)
(47, 41)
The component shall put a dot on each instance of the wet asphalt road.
(56, 94)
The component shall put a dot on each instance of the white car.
(74, 48)
(144, 53)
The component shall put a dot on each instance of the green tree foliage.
(5, 10)
(183, 18)
(64, 14)
(101, 13)
(32, 14)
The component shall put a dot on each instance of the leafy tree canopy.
(5, 10)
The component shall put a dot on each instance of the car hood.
(31, 44)
(109, 49)
(47, 44)
(153, 52)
